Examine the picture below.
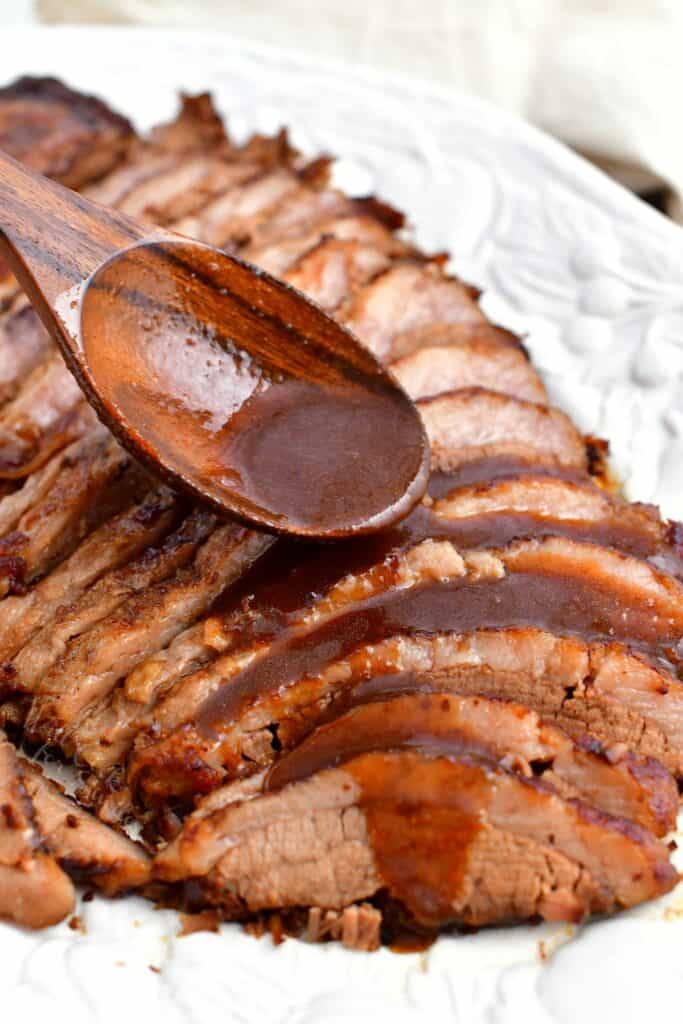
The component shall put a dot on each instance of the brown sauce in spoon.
(257, 400)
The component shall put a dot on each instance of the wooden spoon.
(221, 379)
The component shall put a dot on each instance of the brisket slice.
(474, 423)
(45, 415)
(434, 335)
(103, 738)
(184, 187)
(34, 891)
(610, 779)
(230, 219)
(276, 199)
(460, 467)
(351, 225)
(39, 409)
(334, 269)
(405, 298)
(530, 505)
(143, 166)
(86, 848)
(476, 363)
(24, 343)
(308, 206)
(31, 491)
(23, 460)
(61, 133)
(197, 127)
(92, 484)
(604, 689)
(74, 619)
(455, 840)
(91, 667)
(115, 543)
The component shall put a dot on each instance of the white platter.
(596, 280)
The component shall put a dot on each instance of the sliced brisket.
(64, 134)
(405, 298)
(41, 409)
(34, 891)
(484, 364)
(231, 219)
(435, 335)
(476, 424)
(351, 225)
(86, 848)
(454, 840)
(115, 543)
(92, 665)
(91, 485)
(24, 343)
(564, 587)
(103, 739)
(531, 505)
(610, 779)
(384, 684)
(334, 269)
(74, 619)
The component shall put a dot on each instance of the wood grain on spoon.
(222, 379)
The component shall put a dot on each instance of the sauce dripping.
(295, 574)
(558, 603)
(423, 815)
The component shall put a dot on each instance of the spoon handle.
(51, 237)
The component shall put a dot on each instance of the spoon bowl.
(227, 382)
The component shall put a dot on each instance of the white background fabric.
(604, 75)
